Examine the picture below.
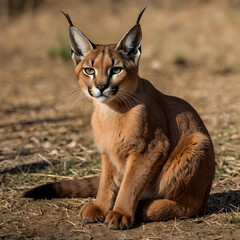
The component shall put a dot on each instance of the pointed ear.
(130, 44)
(80, 44)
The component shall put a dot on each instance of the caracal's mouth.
(102, 98)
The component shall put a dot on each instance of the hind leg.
(161, 209)
(183, 186)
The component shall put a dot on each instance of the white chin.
(102, 99)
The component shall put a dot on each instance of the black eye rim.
(88, 68)
(114, 68)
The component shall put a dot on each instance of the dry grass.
(189, 50)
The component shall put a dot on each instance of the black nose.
(102, 87)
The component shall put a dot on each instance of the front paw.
(91, 213)
(116, 220)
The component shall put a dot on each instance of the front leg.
(93, 212)
(139, 171)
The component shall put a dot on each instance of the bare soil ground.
(189, 50)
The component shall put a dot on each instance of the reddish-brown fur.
(157, 156)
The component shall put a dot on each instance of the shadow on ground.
(223, 202)
(28, 168)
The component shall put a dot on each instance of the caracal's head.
(107, 72)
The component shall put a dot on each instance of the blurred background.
(191, 49)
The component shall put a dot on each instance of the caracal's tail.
(82, 187)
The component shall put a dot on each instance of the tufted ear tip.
(130, 44)
(68, 18)
(80, 44)
(140, 15)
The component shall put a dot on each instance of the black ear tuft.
(140, 15)
(130, 44)
(80, 44)
(68, 18)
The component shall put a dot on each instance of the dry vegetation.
(189, 50)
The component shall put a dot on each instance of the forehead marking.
(113, 61)
(103, 56)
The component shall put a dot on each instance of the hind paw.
(91, 213)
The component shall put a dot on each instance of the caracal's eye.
(116, 70)
(89, 71)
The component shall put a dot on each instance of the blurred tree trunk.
(13, 8)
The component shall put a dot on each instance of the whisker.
(132, 99)
(133, 96)
(132, 102)
(128, 103)
(78, 97)
(123, 101)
